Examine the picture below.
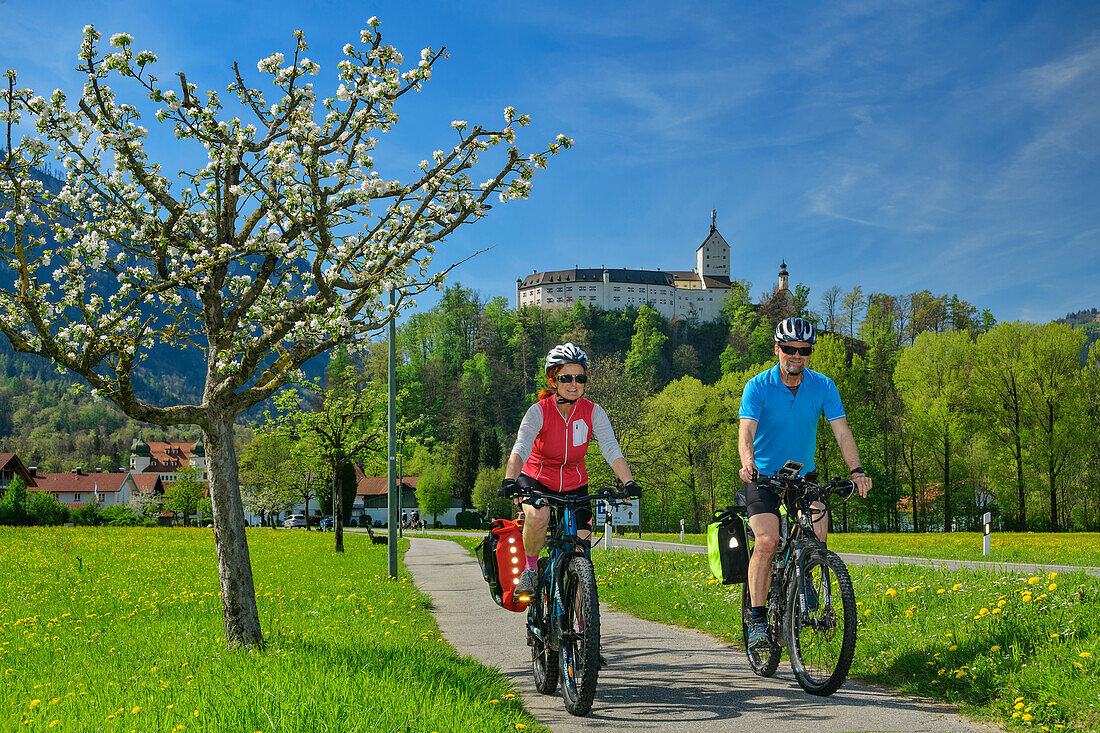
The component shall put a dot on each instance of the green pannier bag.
(728, 547)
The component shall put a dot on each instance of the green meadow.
(120, 629)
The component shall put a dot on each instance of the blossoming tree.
(279, 246)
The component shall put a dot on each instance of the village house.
(10, 467)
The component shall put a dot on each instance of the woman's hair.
(550, 374)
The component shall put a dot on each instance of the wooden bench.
(378, 539)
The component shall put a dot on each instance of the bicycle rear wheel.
(580, 643)
(763, 662)
(544, 660)
(822, 641)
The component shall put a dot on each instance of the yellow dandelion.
(1052, 576)
(1034, 579)
(995, 611)
(890, 592)
(53, 723)
(953, 647)
(1052, 586)
(1085, 655)
(1078, 665)
(521, 726)
(995, 648)
(494, 702)
(956, 586)
(1027, 598)
(196, 713)
(135, 711)
(1027, 717)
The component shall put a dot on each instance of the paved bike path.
(659, 678)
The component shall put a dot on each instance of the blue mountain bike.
(563, 617)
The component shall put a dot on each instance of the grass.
(113, 629)
(1069, 548)
(1022, 651)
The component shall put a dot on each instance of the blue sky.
(900, 145)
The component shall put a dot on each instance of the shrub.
(45, 510)
(85, 516)
(121, 516)
(467, 520)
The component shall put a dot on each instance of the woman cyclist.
(549, 451)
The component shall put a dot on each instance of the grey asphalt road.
(659, 678)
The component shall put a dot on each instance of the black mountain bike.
(563, 618)
(811, 604)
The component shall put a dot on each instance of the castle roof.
(595, 275)
(709, 281)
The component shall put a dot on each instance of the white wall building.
(672, 293)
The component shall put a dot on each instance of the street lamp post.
(391, 469)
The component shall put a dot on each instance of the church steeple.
(713, 219)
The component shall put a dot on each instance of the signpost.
(987, 521)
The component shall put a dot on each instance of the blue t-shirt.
(786, 423)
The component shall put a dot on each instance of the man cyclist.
(778, 422)
(550, 447)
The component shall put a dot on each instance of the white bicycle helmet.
(795, 329)
(563, 354)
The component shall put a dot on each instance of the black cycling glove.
(632, 489)
(508, 487)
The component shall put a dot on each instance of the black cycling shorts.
(760, 500)
(583, 514)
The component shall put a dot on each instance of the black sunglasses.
(567, 378)
(792, 350)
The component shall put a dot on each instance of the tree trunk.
(307, 514)
(1021, 523)
(241, 618)
(947, 480)
(338, 504)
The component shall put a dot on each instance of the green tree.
(464, 461)
(999, 397)
(46, 511)
(643, 362)
(347, 423)
(932, 377)
(1056, 397)
(13, 503)
(269, 473)
(433, 490)
(686, 426)
(485, 497)
(851, 309)
(183, 495)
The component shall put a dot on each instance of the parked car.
(295, 520)
(326, 524)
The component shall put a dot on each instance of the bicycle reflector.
(501, 558)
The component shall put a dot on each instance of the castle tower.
(712, 258)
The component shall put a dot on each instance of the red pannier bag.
(502, 560)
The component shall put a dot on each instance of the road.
(659, 678)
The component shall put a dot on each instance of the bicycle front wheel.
(580, 643)
(822, 636)
(763, 662)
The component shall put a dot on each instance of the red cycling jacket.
(557, 459)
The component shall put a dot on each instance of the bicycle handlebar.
(556, 499)
(804, 486)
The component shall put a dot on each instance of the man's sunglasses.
(567, 378)
(792, 350)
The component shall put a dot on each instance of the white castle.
(675, 294)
